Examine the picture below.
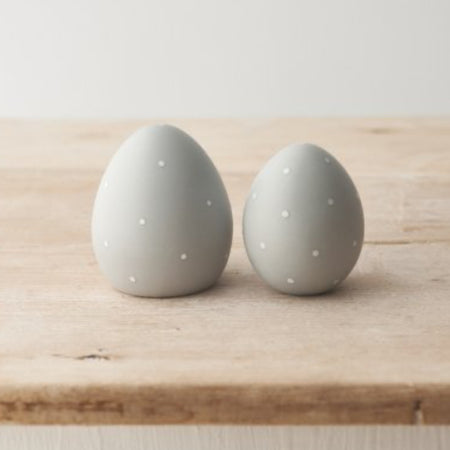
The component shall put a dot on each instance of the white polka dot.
(209, 202)
(161, 163)
(330, 202)
(315, 253)
(327, 160)
(254, 195)
(262, 245)
(106, 243)
(132, 279)
(290, 281)
(106, 184)
(142, 221)
(354, 243)
(286, 170)
(285, 213)
(183, 256)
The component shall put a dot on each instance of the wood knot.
(418, 413)
(381, 130)
(93, 356)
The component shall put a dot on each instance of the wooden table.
(376, 351)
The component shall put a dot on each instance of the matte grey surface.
(303, 221)
(161, 223)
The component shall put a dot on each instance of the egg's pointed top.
(161, 135)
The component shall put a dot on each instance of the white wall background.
(148, 58)
(225, 438)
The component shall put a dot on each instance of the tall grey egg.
(161, 223)
(303, 221)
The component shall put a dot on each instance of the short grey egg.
(303, 221)
(161, 222)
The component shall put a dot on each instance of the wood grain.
(72, 350)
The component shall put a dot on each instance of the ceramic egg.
(303, 222)
(161, 223)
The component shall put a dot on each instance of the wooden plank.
(72, 350)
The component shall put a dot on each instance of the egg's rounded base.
(307, 293)
(177, 294)
(302, 287)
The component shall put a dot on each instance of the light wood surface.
(72, 350)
